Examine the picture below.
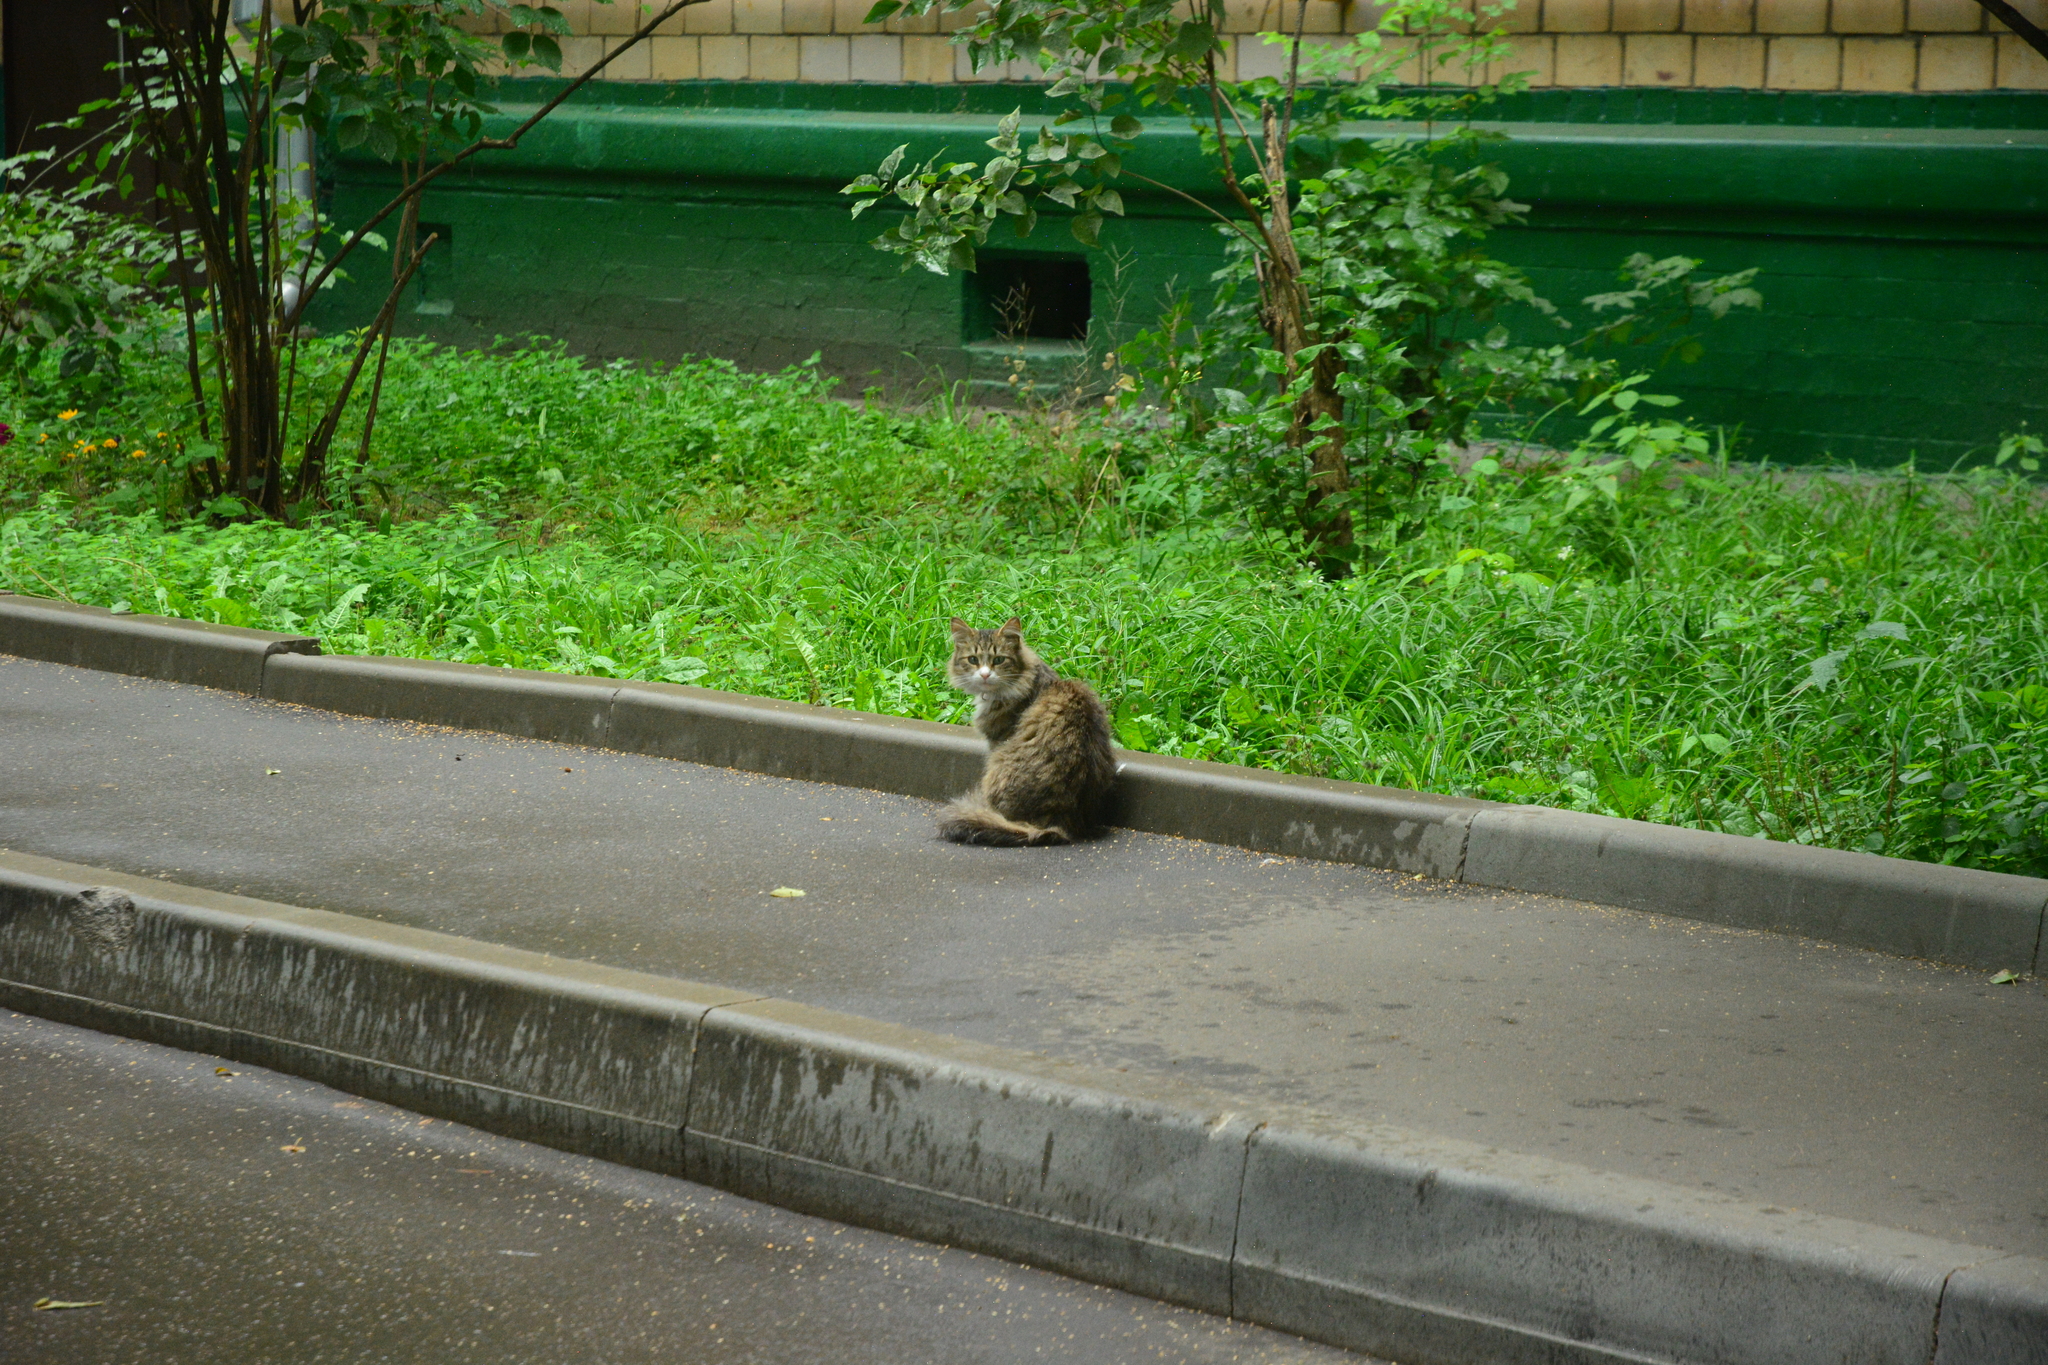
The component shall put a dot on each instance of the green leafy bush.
(73, 280)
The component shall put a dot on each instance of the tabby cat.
(1049, 766)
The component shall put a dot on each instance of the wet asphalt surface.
(1770, 1069)
(223, 1213)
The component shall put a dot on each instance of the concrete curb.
(508, 701)
(1372, 1238)
(1958, 915)
(1950, 914)
(226, 657)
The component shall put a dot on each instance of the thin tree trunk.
(1319, 410)
(312, 478)
(221, 184)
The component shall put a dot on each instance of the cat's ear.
(962, 632)
(1013, 627)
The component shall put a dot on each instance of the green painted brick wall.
(1904, 246)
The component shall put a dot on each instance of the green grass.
(1861, 664)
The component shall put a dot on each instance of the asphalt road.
(222, 1213)
(1770, 1069)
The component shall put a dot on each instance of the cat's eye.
(973, 659)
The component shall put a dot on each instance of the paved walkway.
(250, 1217)
(1778, 1071)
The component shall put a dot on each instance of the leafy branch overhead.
(1082, 46)
(955, 205)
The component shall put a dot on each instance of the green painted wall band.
(1904, 267)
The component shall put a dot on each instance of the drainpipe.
(294, 181)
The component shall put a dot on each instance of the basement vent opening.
(1028, 298)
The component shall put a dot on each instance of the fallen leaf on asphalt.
(272, 772)
(785, 892)
(2005, 978)
(223, 1071)
(291, 1147)
(43, 1305)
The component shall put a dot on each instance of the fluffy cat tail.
(971, 821)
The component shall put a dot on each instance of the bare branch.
(1293, 71)
(2029, 32)
(1217, 102)
(1211, 209)
(313, 464)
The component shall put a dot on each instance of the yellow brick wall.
(1880, 45)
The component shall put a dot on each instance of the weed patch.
(1856, 663)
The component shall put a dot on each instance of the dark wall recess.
(1020, 297)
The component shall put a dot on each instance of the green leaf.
(547, 52)
(882, 10)
(1088, 229)
(1123, 125)
(1194, 39)
(887, 170)
(1822, 672)
(2006, 977)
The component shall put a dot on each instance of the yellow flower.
(138, 454)
(67, 414)
(110, 443)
